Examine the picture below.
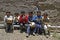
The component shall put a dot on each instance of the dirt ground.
(16, 35)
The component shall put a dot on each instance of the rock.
(52, 7)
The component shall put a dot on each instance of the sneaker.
(47, 36)
(33, 34)
(27, 35)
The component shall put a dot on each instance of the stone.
(52, 7)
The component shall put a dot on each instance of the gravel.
(16, 35)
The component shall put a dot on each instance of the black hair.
(23, 12)
(38, 11)
(8, 12)
(16, 14)
(30, 12)
(45, 14)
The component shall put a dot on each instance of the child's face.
(45, 15)
(8, 14)
(23, 13)
(38, 14)
(16, 14)
(30, 14)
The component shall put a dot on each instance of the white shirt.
(17, 18)
(6, 17)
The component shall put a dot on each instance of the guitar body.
(9, 27)
(32, 25)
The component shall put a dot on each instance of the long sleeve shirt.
(38, 19)
(6, 17)
(23, 20)
(32, 19)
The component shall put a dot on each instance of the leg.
(28, 31)
(21, 27)
(38, 27)
(8, 27)
(45, 29)
(11, 26)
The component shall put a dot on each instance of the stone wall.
(52, 7)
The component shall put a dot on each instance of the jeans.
(9, 27)
(29, 29)
(38, 28)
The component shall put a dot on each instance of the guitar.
(9, 20)
(32, 24)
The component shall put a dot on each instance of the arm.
(5, 19)
(34, 18)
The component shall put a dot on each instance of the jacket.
(23, 20)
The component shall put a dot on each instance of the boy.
(23, 19)
(39, 22)
(8, 20)
(16, 19)
(46, 23)
(31, 21)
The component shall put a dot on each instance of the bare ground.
(16, 35)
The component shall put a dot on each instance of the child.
(16, 19)
(31, 26)
(8, 20)
(46, 23)
(39, 22)
(23, 19)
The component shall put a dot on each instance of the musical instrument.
(16, 19)
(39, 19)
(9, 20)
(32, 24)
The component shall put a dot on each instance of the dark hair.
(23, 12)
(16, 14)
(8, 12)
(30, 12)
(45, 14)
(38, 11)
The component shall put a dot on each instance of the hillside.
(52, 7)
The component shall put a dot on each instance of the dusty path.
(16, 35)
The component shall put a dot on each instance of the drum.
(32, 25)
(9, 20)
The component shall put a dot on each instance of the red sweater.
(23, 20)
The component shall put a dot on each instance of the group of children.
(31, 23)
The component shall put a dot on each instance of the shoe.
(33, 34)
(27, 35)
(47, 36)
